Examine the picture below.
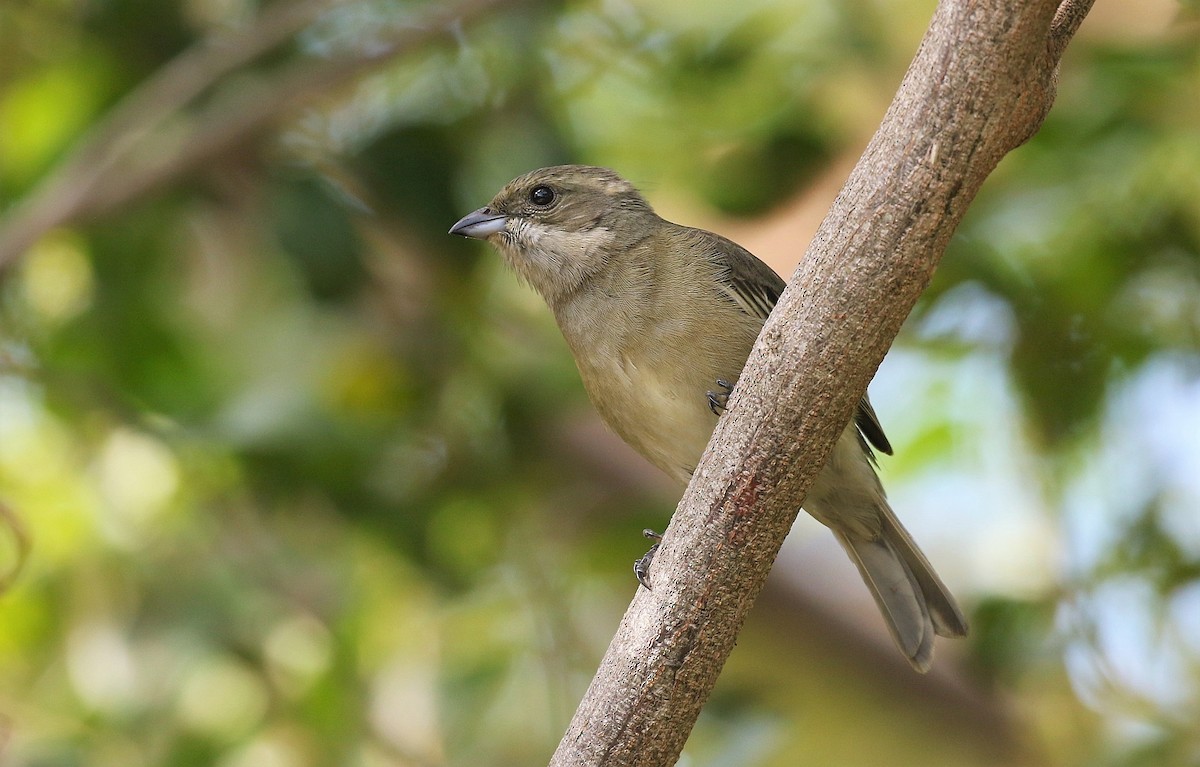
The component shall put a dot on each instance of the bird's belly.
(847, 495)
(667, 420)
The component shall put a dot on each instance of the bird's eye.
(541, 195)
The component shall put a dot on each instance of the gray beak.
(480, 224)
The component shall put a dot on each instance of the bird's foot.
(641, 568)
(718, 400)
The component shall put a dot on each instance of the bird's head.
(558, 226)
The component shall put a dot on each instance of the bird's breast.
(656, 406)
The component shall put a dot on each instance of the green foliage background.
(305, 481)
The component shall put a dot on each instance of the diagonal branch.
(1067, 20)
(180, 81)
(140, 147)
(981, 83)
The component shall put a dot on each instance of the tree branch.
(981, 84)
(138, 148)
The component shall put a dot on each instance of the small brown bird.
(661, 318)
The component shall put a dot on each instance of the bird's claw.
(718, 400)
(641, 568)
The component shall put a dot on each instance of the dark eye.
(541, 195)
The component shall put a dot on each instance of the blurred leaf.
(42, 112)
(316, 232)
(1009, 637)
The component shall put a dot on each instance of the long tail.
(912, 598)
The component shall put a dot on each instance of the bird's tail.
(913, 600)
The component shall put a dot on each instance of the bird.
(660, 319)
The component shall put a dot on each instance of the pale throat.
(553, 260)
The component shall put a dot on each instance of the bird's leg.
(641, 568)
(718, 400)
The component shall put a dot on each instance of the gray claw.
(718, 400)
(641, 568)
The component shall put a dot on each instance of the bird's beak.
(480, 224)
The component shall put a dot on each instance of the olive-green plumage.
(656, 315)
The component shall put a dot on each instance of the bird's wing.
(868, 425)
(755, 288)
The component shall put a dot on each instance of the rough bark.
(980, 85)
